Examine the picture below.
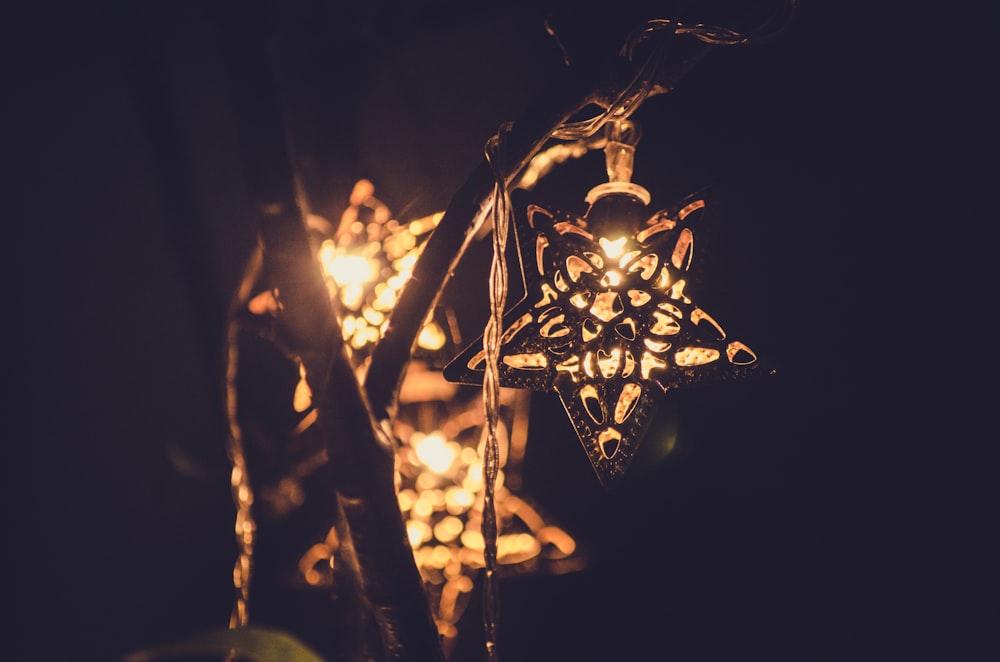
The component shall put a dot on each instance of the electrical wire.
(501, 213)
(644, 81)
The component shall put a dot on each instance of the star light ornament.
(607, 321)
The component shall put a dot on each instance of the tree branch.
(361, 454)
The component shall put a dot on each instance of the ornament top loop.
(622, 135)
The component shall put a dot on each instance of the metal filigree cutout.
(608, 324)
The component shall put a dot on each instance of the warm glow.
(740, 354)
(627, 401)
(673, 310)
(540, 245)
(473, 540)
(431, 337)
(436, 453)
(655, 229)
(626, 328)
(348, 269)
(548, 296)
(611, 279)
(576, 266)
(426, 480)
(664, 325)
(316, 565)
(698, 316)
(521, 322)
(474, 478)
(638, 297)
(363, 336)
(458, 500)
(646, 265)
(435, 498)
(608, 441)
(592, 403)
(405, 264)
(608, 363)
(613, 248)
(564, 227)
(553, 535)
(448, 529)
(517, 548)
(590, 330)
(607, 306)
(683, 250)
(656, 345)
(418, 532)
(264, 303)
(628, 257)
(554, 327)
(536, 361)
(315, 555)
(423, 508)
(406, 499)
(385, 297)
(302, 399)
(677, 291)
(425, 224)
(629, 364)
(570, 365)
(691, 207)
(352, 295)
(648, 363)
(688, 356)
(662, 281)
(594, 259)
(560, 282)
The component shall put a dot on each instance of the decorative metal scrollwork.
(607, 321)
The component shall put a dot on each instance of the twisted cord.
(501, 212)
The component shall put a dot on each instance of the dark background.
(843, 509)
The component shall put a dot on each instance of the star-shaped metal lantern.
(607, 321)
(439, 481)
(365, 264)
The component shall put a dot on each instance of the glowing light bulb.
(613, 248)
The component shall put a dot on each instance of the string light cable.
(495, 153)
(643, 83)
